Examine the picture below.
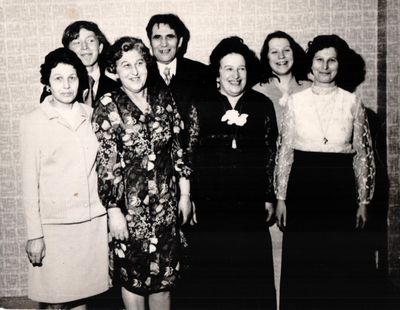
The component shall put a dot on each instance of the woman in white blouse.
(324, 182)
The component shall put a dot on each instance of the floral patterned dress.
(139, 161)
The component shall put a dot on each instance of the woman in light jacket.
(66, 222)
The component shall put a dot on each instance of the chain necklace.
(321, 91)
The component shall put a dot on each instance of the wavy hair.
(65, 56)
(236, 45)
(351, 71)
(298, 70)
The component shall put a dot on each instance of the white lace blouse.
(326, 120)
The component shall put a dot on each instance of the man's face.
(87, 47)
(164, 43)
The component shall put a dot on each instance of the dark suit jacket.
(106, 85)
(191, 81)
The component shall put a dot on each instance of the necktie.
(89, 94)
(167, 75)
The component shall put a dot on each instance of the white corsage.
(233, 117)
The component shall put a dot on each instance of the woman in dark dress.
(324, 183)
(234, 163)
(140, 169)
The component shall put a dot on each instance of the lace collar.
(318, 90)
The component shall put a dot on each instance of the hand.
(36, 250)
(117, 224)
(361, 216)
(193, 219)
(185, 208)
(269, 208)
(280, 214)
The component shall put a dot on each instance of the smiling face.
(164, 43)
(87, 47)
(325, 67)
(280, 56)
(131, 69)
(64, 83)
(232, 75)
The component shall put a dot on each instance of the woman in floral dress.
(141, 171)
(234, 163)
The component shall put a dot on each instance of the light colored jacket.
(59, 179)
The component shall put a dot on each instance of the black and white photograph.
(200, 155)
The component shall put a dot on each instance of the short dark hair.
(125, 44)
(351, 71)
(175, 23)
(65, 56)
(72, 32)
(299, 57)
(235, 45)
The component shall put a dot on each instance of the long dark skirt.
(324, 256)
(231, 261)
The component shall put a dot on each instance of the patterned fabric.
(332, 122)
(139, 161)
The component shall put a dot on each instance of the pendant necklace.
(318, 91)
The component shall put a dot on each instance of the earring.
(218, 84)
(48, 88)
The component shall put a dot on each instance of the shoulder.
(263, 88)
(37, 115)
(192, 63)
(190, 66)
(346, 94)
(258, 100)
(302, 94)
(350, 100)
(86, 108)
(108, 102)
(107, 84)
(301, 85)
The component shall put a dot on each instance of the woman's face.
(232, 75)
(131, 69)
(325, 67)
(280, 56)
(64, 83)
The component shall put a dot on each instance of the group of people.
(165, 178)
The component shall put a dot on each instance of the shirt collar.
(171, 66)
(52, 112)
(95, 74)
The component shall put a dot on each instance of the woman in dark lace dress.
(140, 168)
(234, 163)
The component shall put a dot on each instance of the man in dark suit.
(90, 44)
(188, 81)
(186, 78)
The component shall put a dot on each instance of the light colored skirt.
(75, 265)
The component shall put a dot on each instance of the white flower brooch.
(233, 117)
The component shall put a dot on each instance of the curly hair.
(65, 56)
(125, 44)
(235, 45)
(299, 57)
(351, 71)
(72, 32)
